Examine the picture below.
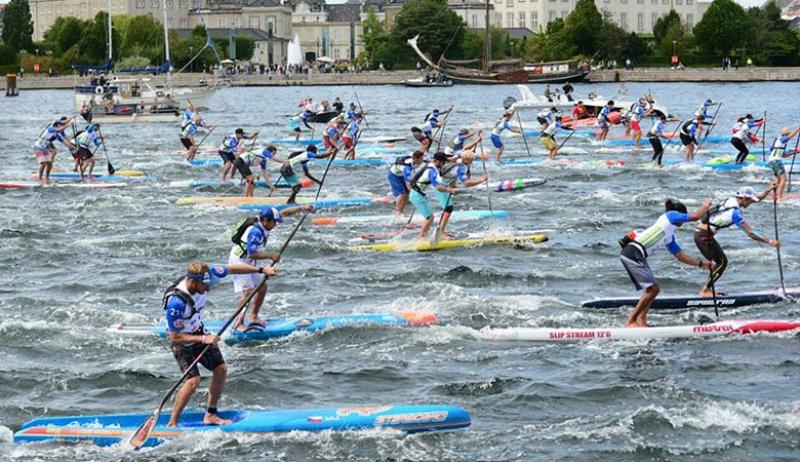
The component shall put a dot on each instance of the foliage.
(440, 31)
(18, 25)
(724, 28)
(132, 62)
(245, 47)
(584, 27)
(374, 36)
(8, 55)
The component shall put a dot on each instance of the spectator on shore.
(628, 64)
(749, 62)
(736, 64)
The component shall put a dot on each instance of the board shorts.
(445, 199)
(496, 141)
(294, 125)
(42, 156)
(227, 156)
(635, 125)
(398, 184)
(347, 141)
(186, 354)
(420, 203)
(242, 166)
(541, 120)
(328, 143)
(686, 139)
(548, 142)
(777, 167)
(84, 153)
(187, 143)
(635, 264)
(242, 282)
(602, 123)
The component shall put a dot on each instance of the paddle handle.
(711, 270)
(711, 127)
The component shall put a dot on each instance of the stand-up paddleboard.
(107, 430)
(519, 183)
(460, 215)
(36, 184)
(717, 329)
(284, 327)
(334, 162)
(729, 163)
(426, 246)
(260, 201)
(610, 141)
(695, 301)
(209, 183)
(304, 142)
(104, 178)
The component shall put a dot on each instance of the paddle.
(764, 139)
(711, 270)
(713, 119)
(437, 233)
(565, 141)
(488, 192)
(522, 133)
(361, 109)
(672, 136)
(206, 136)
(778, 249)
(441, 128)
(275, 184)
(110, 167)
(791, 167)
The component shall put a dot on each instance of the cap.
(708, 101)
(610, 102)
(748, 116)
(435, 112)
(210, 276)
(271, 213)
(747, 192)
(468, 155)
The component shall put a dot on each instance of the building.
(332, 31)
(2, 7)
(473, 12)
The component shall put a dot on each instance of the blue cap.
(210, 277)
(271, 213)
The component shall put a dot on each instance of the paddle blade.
(111, 169)
(141, 435)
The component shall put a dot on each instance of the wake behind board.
(104, 178)
(695, 301)
(717, 329)
(334, 162)
(107, 430)
(427, 246)
(284, 327)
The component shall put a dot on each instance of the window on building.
(689, 2)
(679, 2)
(183, 4)
(653, 20)
(640, 22)
(509, 19)
(623, 20)
(551, 16)
(564, 14)
(665, 2)
(498, 19)
(522, 19)
(689, 20)
(223, 22)
(520, 1)
(623, 1)
(641, 2)
(474, 21)
(155, 4)
(168, 3)
(509, 2)
(606, 1)
(336, 53)
(254, 22)
(534, 20)
(139, 3)
(654, 2)
(184, 23)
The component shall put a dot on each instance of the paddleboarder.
(399, 176)
(639, 110)
(638, 246)
(332, 133)
(654, 137)
(723, 215)
(741, 135)
(248, 160)
(777, 152)
(546, 116)
(455, 172)
(548, 137)
(603, 120)
(459, 142)
(428, 176)
(85, 142)
(45, 150)
(689, 132)
(183, 303)
(300, 158)
(229, 148)
(350, 137)
(249, 238)
(187, 135)
(499, 127)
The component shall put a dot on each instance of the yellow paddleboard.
(425, 246)
(238, 200)
(129, 173)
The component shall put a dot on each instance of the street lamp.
(673, 46)
(191, 56)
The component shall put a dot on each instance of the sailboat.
(490, 72)
(137, 98)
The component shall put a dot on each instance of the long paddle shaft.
(778, 249)
(361, 109)
(206, 136)
(110, 167)
(672, 136)
(711, 127)
(441, 129)
(565, 141)
(488, 192)
(522, 133)
(791, 167)
(711, 270)
(764, 139)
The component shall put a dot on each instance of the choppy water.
(74, 261)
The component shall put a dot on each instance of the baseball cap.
(747, 192)
(271, 213)
(210, 277)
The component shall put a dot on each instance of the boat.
(555, 72)
(427, 82)
(457, 216)
(593, 104)
(696, 301)
(716, 329)
(284, 327)
(107, 430)
(323, 117)
(519, 183)
(427, 246)
(231, 201)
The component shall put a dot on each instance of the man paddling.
(187, 136)
(184, 303)
(689, 132)
(459, 142)
(350, 137)
(499, 127)
(249, 160)
(548, 137)
(249, 241)
(45, 150)
(638, 246)
(399, 176)
(639, 110)
(704, 110)
(655, 135)
(741, 136)
(456, 171)
(428, 176)
(603, 120)
(300, 158)
(87, 142)
(777, 152)
(230, 147)
(723, 215)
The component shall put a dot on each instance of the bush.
(8, 55)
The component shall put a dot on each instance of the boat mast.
(110, 34)
(487, 43)
(166, 44)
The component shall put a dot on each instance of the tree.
(18, 25)
(724, 27)
(374, 35)
(663, 24)
(140, 36)
(584, 27)
(440, 30)
(64, 34)
(245, 47)
(770, 41)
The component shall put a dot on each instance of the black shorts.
(84, 153)
(687, 140)
(186, 354)
(541, 120)
(242, 166)
(187, 143)
(227, 156)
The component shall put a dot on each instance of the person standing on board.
(638, 112)
(603, 120)
(777, 152)
(689, 132)
(87, 141)
(638, 246)
(249, 241)
(546, 116)
(188, 132)
(499, 127)
(723, 215)
(300, 158)
(741, 135)
(399, 176)
(459, 142)
(247, 161)
(183, 303)
(457, 171)
(350, 137)
(229, 148)
(654, 137)
(428, 176)
(548, 137)
(45, 148)
(704, 110)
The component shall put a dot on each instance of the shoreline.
(758, 74)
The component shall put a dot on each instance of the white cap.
(746, 192)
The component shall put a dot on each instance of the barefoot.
(214, 419)
(172, 424)
(255, 321)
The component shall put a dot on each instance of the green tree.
(664, 23)
(245, 47)
(440, 30)
(18, 25)
(724, 27)
(770, 41)
(8, 55)
(64, 34)
(374, 35)
(584, 27)
(141, 36)
(635, 48)
(94, 46)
